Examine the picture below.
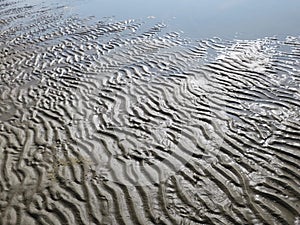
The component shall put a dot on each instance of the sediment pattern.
(122, 122)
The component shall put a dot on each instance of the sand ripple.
(113, 122)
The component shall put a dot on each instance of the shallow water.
(245, 19)
(126, 120)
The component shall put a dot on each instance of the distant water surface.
(203, 18)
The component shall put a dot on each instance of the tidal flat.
(130, 121)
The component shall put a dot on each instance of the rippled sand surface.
(122, 122)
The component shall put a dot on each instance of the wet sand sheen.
(112, 122)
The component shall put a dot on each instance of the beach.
(106, 120)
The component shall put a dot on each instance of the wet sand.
(116, 122)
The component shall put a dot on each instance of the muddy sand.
(122, 122)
